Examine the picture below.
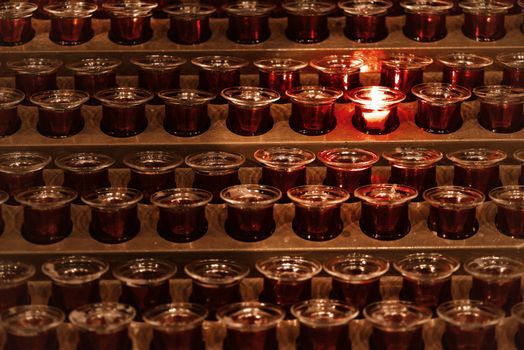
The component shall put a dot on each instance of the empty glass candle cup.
(501, 108)
(14, 276)
(71, 22)
(189, 23)
(248, 21)
(130, 22)
(35, 74)
(279, 74)
(426, 19)
(16, 24)
(9, 120)
(510, 210)
(512, 68)
(464, 69)
(484, 20)
(307, 22)
(365, 20)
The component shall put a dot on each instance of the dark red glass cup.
(123, 111)
(152, 171)
(145, 283)
(396, 324)
(248, 21)
(130, 22)
(75, 281)
(9, 120)
(189, 23)
(356, 278)
(512, 68)
(47, 213)
(453, 211)
(323, 324)
(365, 20)
(426, 19)
(501, 108)
(464, 69)
(313, 109)
(484, 20)
(71, 22)
(519, 156)
(177, 326)
(317, 211)
(439, 107)
(279, 74)
(14, 276)
(518, 314)
(114, 214)
(510, 210)
(215, 283)
(307, 23)
(35, 74)
(16, 27)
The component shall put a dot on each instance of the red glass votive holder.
(339, 72)
(323, 324)
(414, 167)
(75, 281)
(279, 74)
(186, 111)
(152, 171)
(283, 167)
(189, 23)
(365, 20)
(249, 109)
(402, 71)
(94, 74)
(250, 211)
(123, 110)
(426, 278)
(384, 210)
(9, 120)
(215, 171)
(47, 213)
(103, 325)
(35, 74)
(32, 327)
(182, 216)
(287, 280)
(426, 19)
(348, 168)
(176, 326)
(496, 280)
(215, 283)
(512, 68)
(307, 22)
(484, 20)
(356, 278)
(469, 324)
(130, 22)
(114, 214)
(317, 211)
(500, 108)
(14, 276)
(439, 107)
(510, 210)
(396, 324)
(519, 156)
(376, 109)
(518, 314)
(71, 22)
(477, 168)
(216, 73)
(59, 112)
(313, 109)
(248, 21)
(464, 69)
(157, 73)
(453, 211)
(16, 24)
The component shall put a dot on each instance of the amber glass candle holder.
(152, 171)
(123, 111)
(426, 19)
(307, 22)
(402, 71)
(75, 281)
(376, 109)
(14, 276)
(248, 21)
(356, 278)
(279, 74)
(464, 69)
(9, 120)
(477, 168)
(512, 68)
(453, 211)
(414, 167)
(35, 74)
(283, 167)
(71, 22)
(317, 211)
(16, 24)
(484, 20)
(439, 107)
(365, 19)
(339, 72)
(189, 23)
(249, 110)
(94, 74)
(114, 214)
(313, 109)
(130, 22)
(518, 314)
(500, 108)
(510, 210)
(157, 73)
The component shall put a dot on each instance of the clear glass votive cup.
(512, 68)
(9, 120)
(130, 22)
(16, 24)
(500, 108)
(35, 74)
(317, 211)
(71, 22)
(356, 278)
(464, 69)
(365, 19)
(484, 20)
(510, 210)
(189, 23)
(14, 276)
(75, 281)
(426, 19)
(453, 211)
(114, 214)
(145, 283)
(248, 21)
(518, 314)
(307, 22)
(279, 74)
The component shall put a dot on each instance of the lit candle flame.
(375, 114)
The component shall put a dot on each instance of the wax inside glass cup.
(16, 21)
(500, 107)
(510, 210)
(103, 318)
(189, 22)
(512, 68)
(14, 276)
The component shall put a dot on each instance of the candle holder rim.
(466, 305)
(519, 155)
(406, 60)
(54, 317)
(485, 6)
(365, 7)
(337, 64)
(152, 161)
(358, 95)
(132, 272)
(433, 196)
(441, 93)
(158, 62)
(309, 195)
(508, 196)
(314, 8)
(189, 97)
(96, 198)
(477, 157)
(13, 273)
(10, 97)
(335, 158)
(165, 198)
(219, 62)
(275, 313)
(71, 9)
(485, 268)
(215, 161)
(97, 162)
(236, 272)
(423, 314)
(97, 65)
(356, 261)
(279, 64)
(248, 8)
(407, 266)
(413, 157)
(59, 100)
(499, 93)
(46, 197)
(302, 94)
(247, 198)
(17, 9)
(151, 316)
(512, 59)
(35, 65)
(302, 269)
(517, 311)
(132, 97)
(30, 162)
(464, 60)
(404, 194)
(128, 7)
(284, 157)
(236, 95)
(345, 312)
(427, 6)
(50, 268)
(121, 317)
(197, 10)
